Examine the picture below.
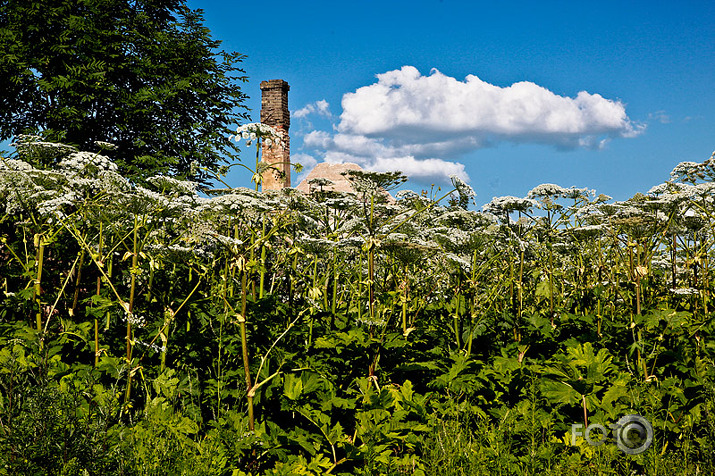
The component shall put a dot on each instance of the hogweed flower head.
(407, 195)
(270, 136)
(105, 145)
(80, 161)
(684, 291)
(507, 204)
(32, 147)
(170, 184)
(466, 193)
(688, 172)
(133, 319)
(547, 190)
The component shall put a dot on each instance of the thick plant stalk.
(96, 326)
(98, 291)
(456, 318)
(643, 360)
(334, 302)
(371, 278)
(226, 278)
(639, 273)
(39, 258)
(456, 322)
(132, 290)
(164, 335)
(372, 243)
(521, 293)
(314, 286)
(585, 411)
(673, 262)
(75, 298)
(512, 298)
(244, 349)
(258, 176)
(404, 302)
(706, 284)
(130, 307)
(241, 318)
(262, 269)
(358, 297)
(472, 303)
(551, 282)
(326, 287)
(110, 269)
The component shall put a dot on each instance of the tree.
(144, 75)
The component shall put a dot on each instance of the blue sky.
(608, 95)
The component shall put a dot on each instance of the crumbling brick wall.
(275, 113)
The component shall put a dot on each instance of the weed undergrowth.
(156, 331)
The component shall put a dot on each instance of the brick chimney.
(274, 112)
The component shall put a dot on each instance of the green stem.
(218, 370)
(98, 291)
(258, 177)
(96, 326)
(130, 306)
(108, 276)
(40, 256)
(132, 289)
(75, 298)
(371, 279)
(334, 303)
(262, 270)
(404, 303)
(244, 348)
(551, 283)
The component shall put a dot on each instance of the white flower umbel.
(32, 147)
(462, 186)
(105, 145)
(82, 160)
(627, 210)
(15, 165)
(548, 190)
(575, 193)
(154, 347)
(500, 205)
(133, 319)
(240, 200)
(406, 195)
(270, 136)
(685, 291)
(451, 237)
(589, 230)
(466, 193)
(341, 203)
(172, 185)
(688, 172)
(54, 206)
(663, 188)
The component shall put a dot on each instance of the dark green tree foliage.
(144, 75)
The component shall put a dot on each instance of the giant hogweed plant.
(279, 333)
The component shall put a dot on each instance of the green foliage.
(154, 331)
(143, 75)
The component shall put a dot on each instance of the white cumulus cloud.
(322, 108)
(372, 154)
(421, 169)
(410, 122)
(407, 107)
